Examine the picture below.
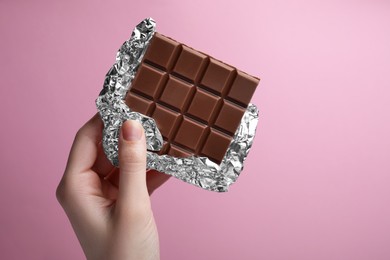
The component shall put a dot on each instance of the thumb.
(133, 191)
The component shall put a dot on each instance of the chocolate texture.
(197, 101)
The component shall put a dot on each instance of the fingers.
(155, 179)
(133, 192)
(113, 177)
(102, 165)
(84, 149)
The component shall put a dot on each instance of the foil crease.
(196, 170)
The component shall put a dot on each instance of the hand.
(110, 209)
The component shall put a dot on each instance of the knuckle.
(79, 133)
(132, 156)
(131, 167)
(83, 131)
(61, 192)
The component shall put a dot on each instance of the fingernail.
(131, 130)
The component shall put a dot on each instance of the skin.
(109, 208)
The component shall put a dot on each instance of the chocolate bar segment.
(196, 100)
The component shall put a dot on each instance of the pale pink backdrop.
(317, 182)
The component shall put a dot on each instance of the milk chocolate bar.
(196, 100)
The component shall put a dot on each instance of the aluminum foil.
(196, 170)
(111, 101)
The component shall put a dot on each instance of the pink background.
(316, 184)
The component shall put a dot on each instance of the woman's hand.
(110, 211)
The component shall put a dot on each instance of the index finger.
(85, 146)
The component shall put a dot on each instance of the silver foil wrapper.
(196, 170)
(110, 103)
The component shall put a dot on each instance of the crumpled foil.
(110, 103)
(196, 170)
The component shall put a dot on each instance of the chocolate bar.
(196, 100)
